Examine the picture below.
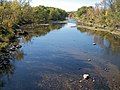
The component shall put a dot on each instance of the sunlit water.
(57, 59)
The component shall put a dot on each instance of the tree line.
(104, 14)
(14, 13)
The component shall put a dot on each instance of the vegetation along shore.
(105, 16)
(16, 13)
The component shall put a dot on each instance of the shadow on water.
(7, 59)
(10, 53)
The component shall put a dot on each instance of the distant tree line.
(47, 14)
(105, 14)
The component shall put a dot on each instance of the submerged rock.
(18, 46)
(93, 80)
(1, 40)
(96, 27)
(89, 59)
(13, 48)
(94, 43)
(86, 76)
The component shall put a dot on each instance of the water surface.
(55, 57)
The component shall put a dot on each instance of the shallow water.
(55, 57)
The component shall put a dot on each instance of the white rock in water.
(93, 80)
(94, 43)
(86, 76)
(89, 59)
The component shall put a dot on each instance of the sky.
(68, 5)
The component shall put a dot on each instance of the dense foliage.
(104, 14)
(47, 14)
(14, 13)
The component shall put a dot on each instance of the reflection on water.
(54, 57)
(110, 55)
(39, 30)
(105, 40)
(7, 57)
(7, 67)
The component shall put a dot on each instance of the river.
(55, 57)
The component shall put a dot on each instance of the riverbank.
(116, 32)
(53, 22)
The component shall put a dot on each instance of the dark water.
(55, 57)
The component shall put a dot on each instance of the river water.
(55, 57)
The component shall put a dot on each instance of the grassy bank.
(116, 32)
